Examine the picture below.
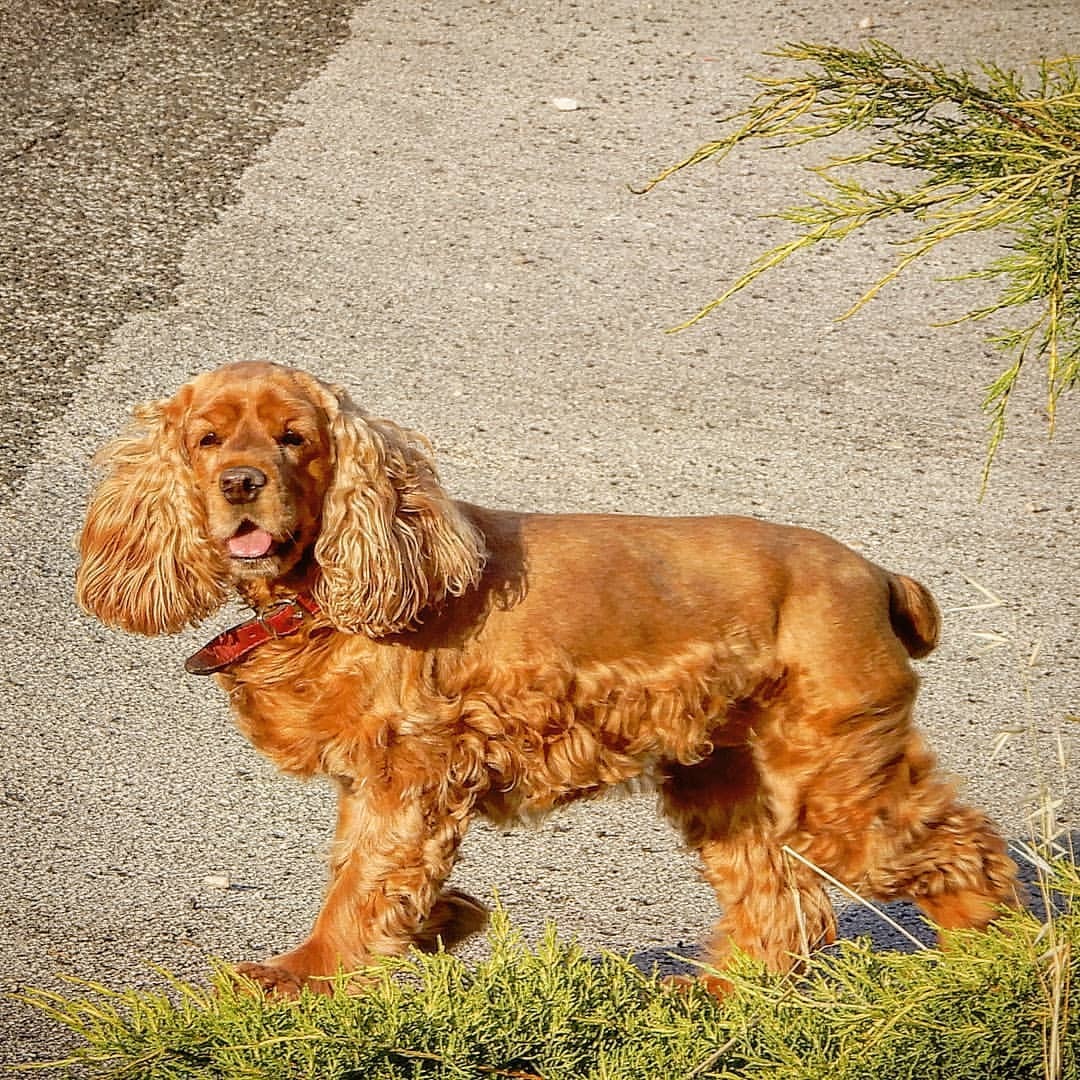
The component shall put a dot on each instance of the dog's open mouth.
(251, 542)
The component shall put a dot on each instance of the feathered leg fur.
(874, 813)
(387, 872)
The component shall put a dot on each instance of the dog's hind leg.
(455, 917)
(857, 793)
(774, 908)
(944, 855)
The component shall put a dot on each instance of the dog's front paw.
(716, 985)
(272, 981)
(455, 917)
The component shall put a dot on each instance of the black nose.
(242, 484)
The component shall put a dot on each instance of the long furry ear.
(146, 564)
(392, 542)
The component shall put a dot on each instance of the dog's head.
(263, 479)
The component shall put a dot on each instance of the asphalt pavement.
(123, 127)
(387, 195)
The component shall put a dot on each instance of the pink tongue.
(251, 545)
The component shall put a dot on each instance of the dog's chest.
(302, 705)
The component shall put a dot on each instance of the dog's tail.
(914, 614)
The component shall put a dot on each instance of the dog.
(438, 661)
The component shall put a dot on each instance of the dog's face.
(261, 479)
(259, 445)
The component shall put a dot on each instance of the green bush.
(978, 152)
(992, 1006)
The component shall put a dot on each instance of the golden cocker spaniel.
(439, 660)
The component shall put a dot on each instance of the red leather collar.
(234, 644)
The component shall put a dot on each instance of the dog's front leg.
(392, 852)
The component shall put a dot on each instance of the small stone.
(565, 104)
(217, 881)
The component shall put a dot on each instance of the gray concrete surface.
(427, 228)
(123, 127)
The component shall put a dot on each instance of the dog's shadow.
(852, 921)
(894, 927)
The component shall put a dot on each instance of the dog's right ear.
(147, 565)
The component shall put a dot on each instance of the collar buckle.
(281, 619)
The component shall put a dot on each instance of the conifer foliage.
(1000, 1004)
(976, 151)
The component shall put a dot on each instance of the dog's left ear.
(392, 542)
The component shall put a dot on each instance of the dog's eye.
(209, 439)
(292, 438)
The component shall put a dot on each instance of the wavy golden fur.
(470, 661)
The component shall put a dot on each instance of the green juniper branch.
(987, 153)
(999, 1003)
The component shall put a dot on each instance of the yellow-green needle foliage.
(985, 151)
(998, 1005)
